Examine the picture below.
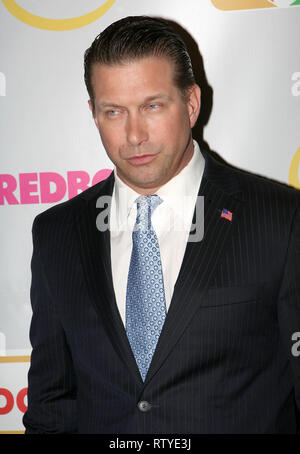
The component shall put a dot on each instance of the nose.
(136, 130)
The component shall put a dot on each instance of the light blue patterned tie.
(145, 298)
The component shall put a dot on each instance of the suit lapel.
(96, 260)
(220, 190)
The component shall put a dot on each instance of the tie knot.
(146, 204)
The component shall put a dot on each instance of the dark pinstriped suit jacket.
(224, 361)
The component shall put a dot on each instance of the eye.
(154, 106)
(112, 112)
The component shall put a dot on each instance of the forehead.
(133, 80)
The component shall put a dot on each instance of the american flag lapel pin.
(226, 214)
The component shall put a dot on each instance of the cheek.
(111, 136)
(176, 122)
(173, 131)
(163, 128)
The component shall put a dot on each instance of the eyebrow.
(158, 96)
(146, 100)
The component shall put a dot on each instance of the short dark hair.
(136, 37)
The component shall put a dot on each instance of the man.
(138, 326)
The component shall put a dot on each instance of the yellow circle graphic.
(294, 170)
(56, 24)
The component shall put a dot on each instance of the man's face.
(144, 121)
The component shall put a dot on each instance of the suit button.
(143, 405)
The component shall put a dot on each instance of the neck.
(186, 158)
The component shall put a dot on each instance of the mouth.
(144, 159)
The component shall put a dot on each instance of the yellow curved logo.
(56, 24)
(294, 170)
(233, 5)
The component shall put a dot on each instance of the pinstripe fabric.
(223, 362)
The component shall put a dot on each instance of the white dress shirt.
(171, 221)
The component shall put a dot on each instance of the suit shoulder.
(260, 193)
(260, 187)
(64, 212)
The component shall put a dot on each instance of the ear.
(92, 109)
(194, 103)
